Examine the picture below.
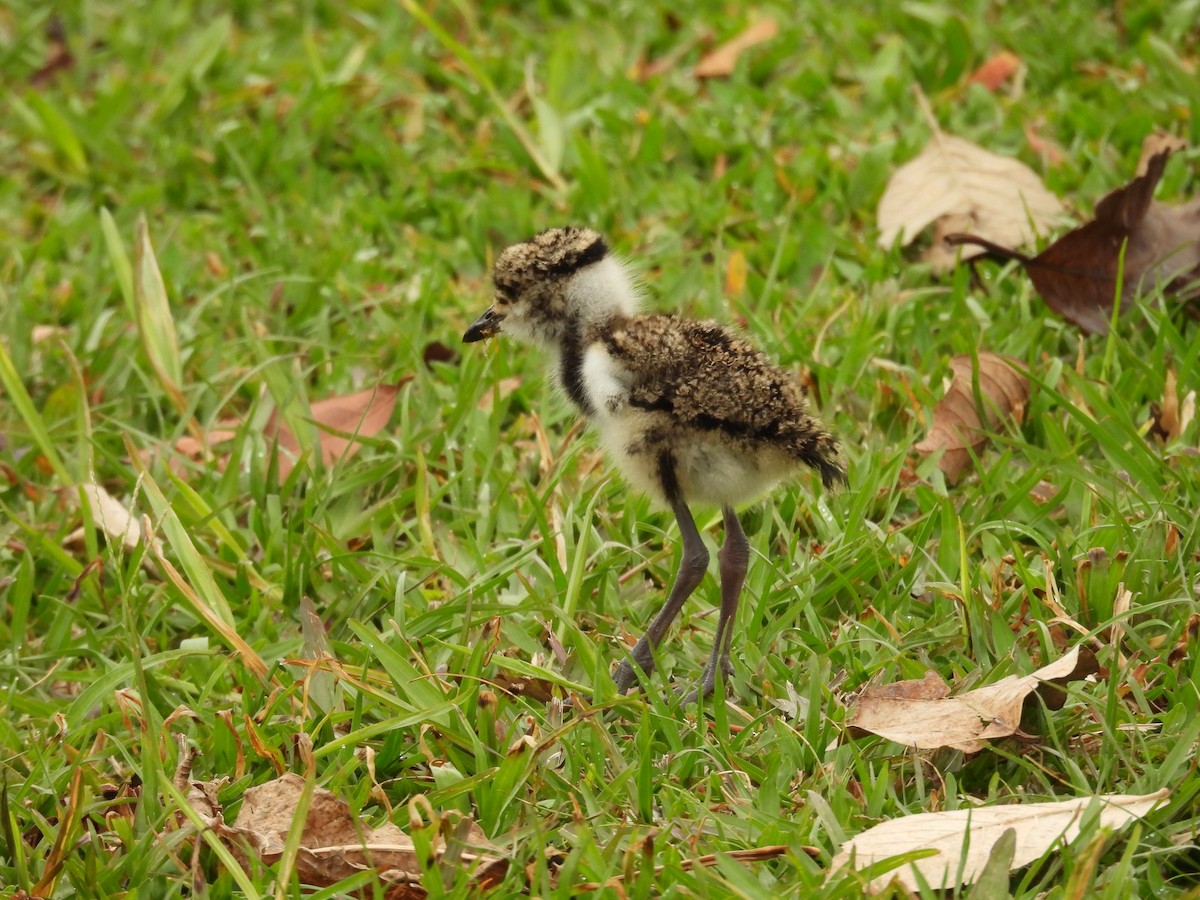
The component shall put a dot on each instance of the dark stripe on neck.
(668, 477)
(571, 368)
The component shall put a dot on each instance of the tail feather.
(821, 453)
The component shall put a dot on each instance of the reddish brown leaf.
(1148, 244)
(959, 425)
(1050, 152)
(997, 70)
(58, 53)
(341, 422)
(721, 61)
(437, 352)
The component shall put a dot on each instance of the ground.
(324, 187)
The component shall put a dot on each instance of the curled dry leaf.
(1143, 244)
(921, 714)
(722, 60)
(334, 844)
(963, 839)
(960, 186)
(341, 421)
(960, 425)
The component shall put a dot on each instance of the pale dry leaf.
(918, 713)
(722, 60)
(960, 425)
(39, 334)
(996, 194)
(963, 839)
(111, 516)
(1155, 143)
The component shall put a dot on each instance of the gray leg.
(692, 567)
(734, 560)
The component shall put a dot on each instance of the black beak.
(484, 327)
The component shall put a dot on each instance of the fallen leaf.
(437, 352)
(722, 60)
(58, 53)
(960, 426)
(111, 516)
(1155, 143)
(735, 274)
(1050, 152)
(341, 422)
(1146, 244)
(539, 690)
(962, 840)
(953, 178)
(919, 714)
(39, 334)
(1180, 651)
(334, 843)
(997, 70)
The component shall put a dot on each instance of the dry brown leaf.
(334, 844)
(1180, 652)
(997, 70)
(919, 714)
(722, 60)
(1146, 244)
(959, 425)
(537, 689)
(963, 838)
(957, 179)
(341, 422)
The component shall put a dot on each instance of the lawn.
(426, 628)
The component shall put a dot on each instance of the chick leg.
(691, 571)
(733, 559)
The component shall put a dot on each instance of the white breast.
(605, 381)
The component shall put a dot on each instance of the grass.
(324, 186)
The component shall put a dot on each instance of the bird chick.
(690, 412)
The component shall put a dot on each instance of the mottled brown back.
(708, 378)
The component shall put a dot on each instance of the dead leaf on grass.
(920, 714)
(342, 422)
(954, 182)
(997, 70)
(1171, 418)
(962, 840)
(110, 516)
(58, 53)
(335, 844)
(1145, 244)
(960, 425)
(722, 60)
